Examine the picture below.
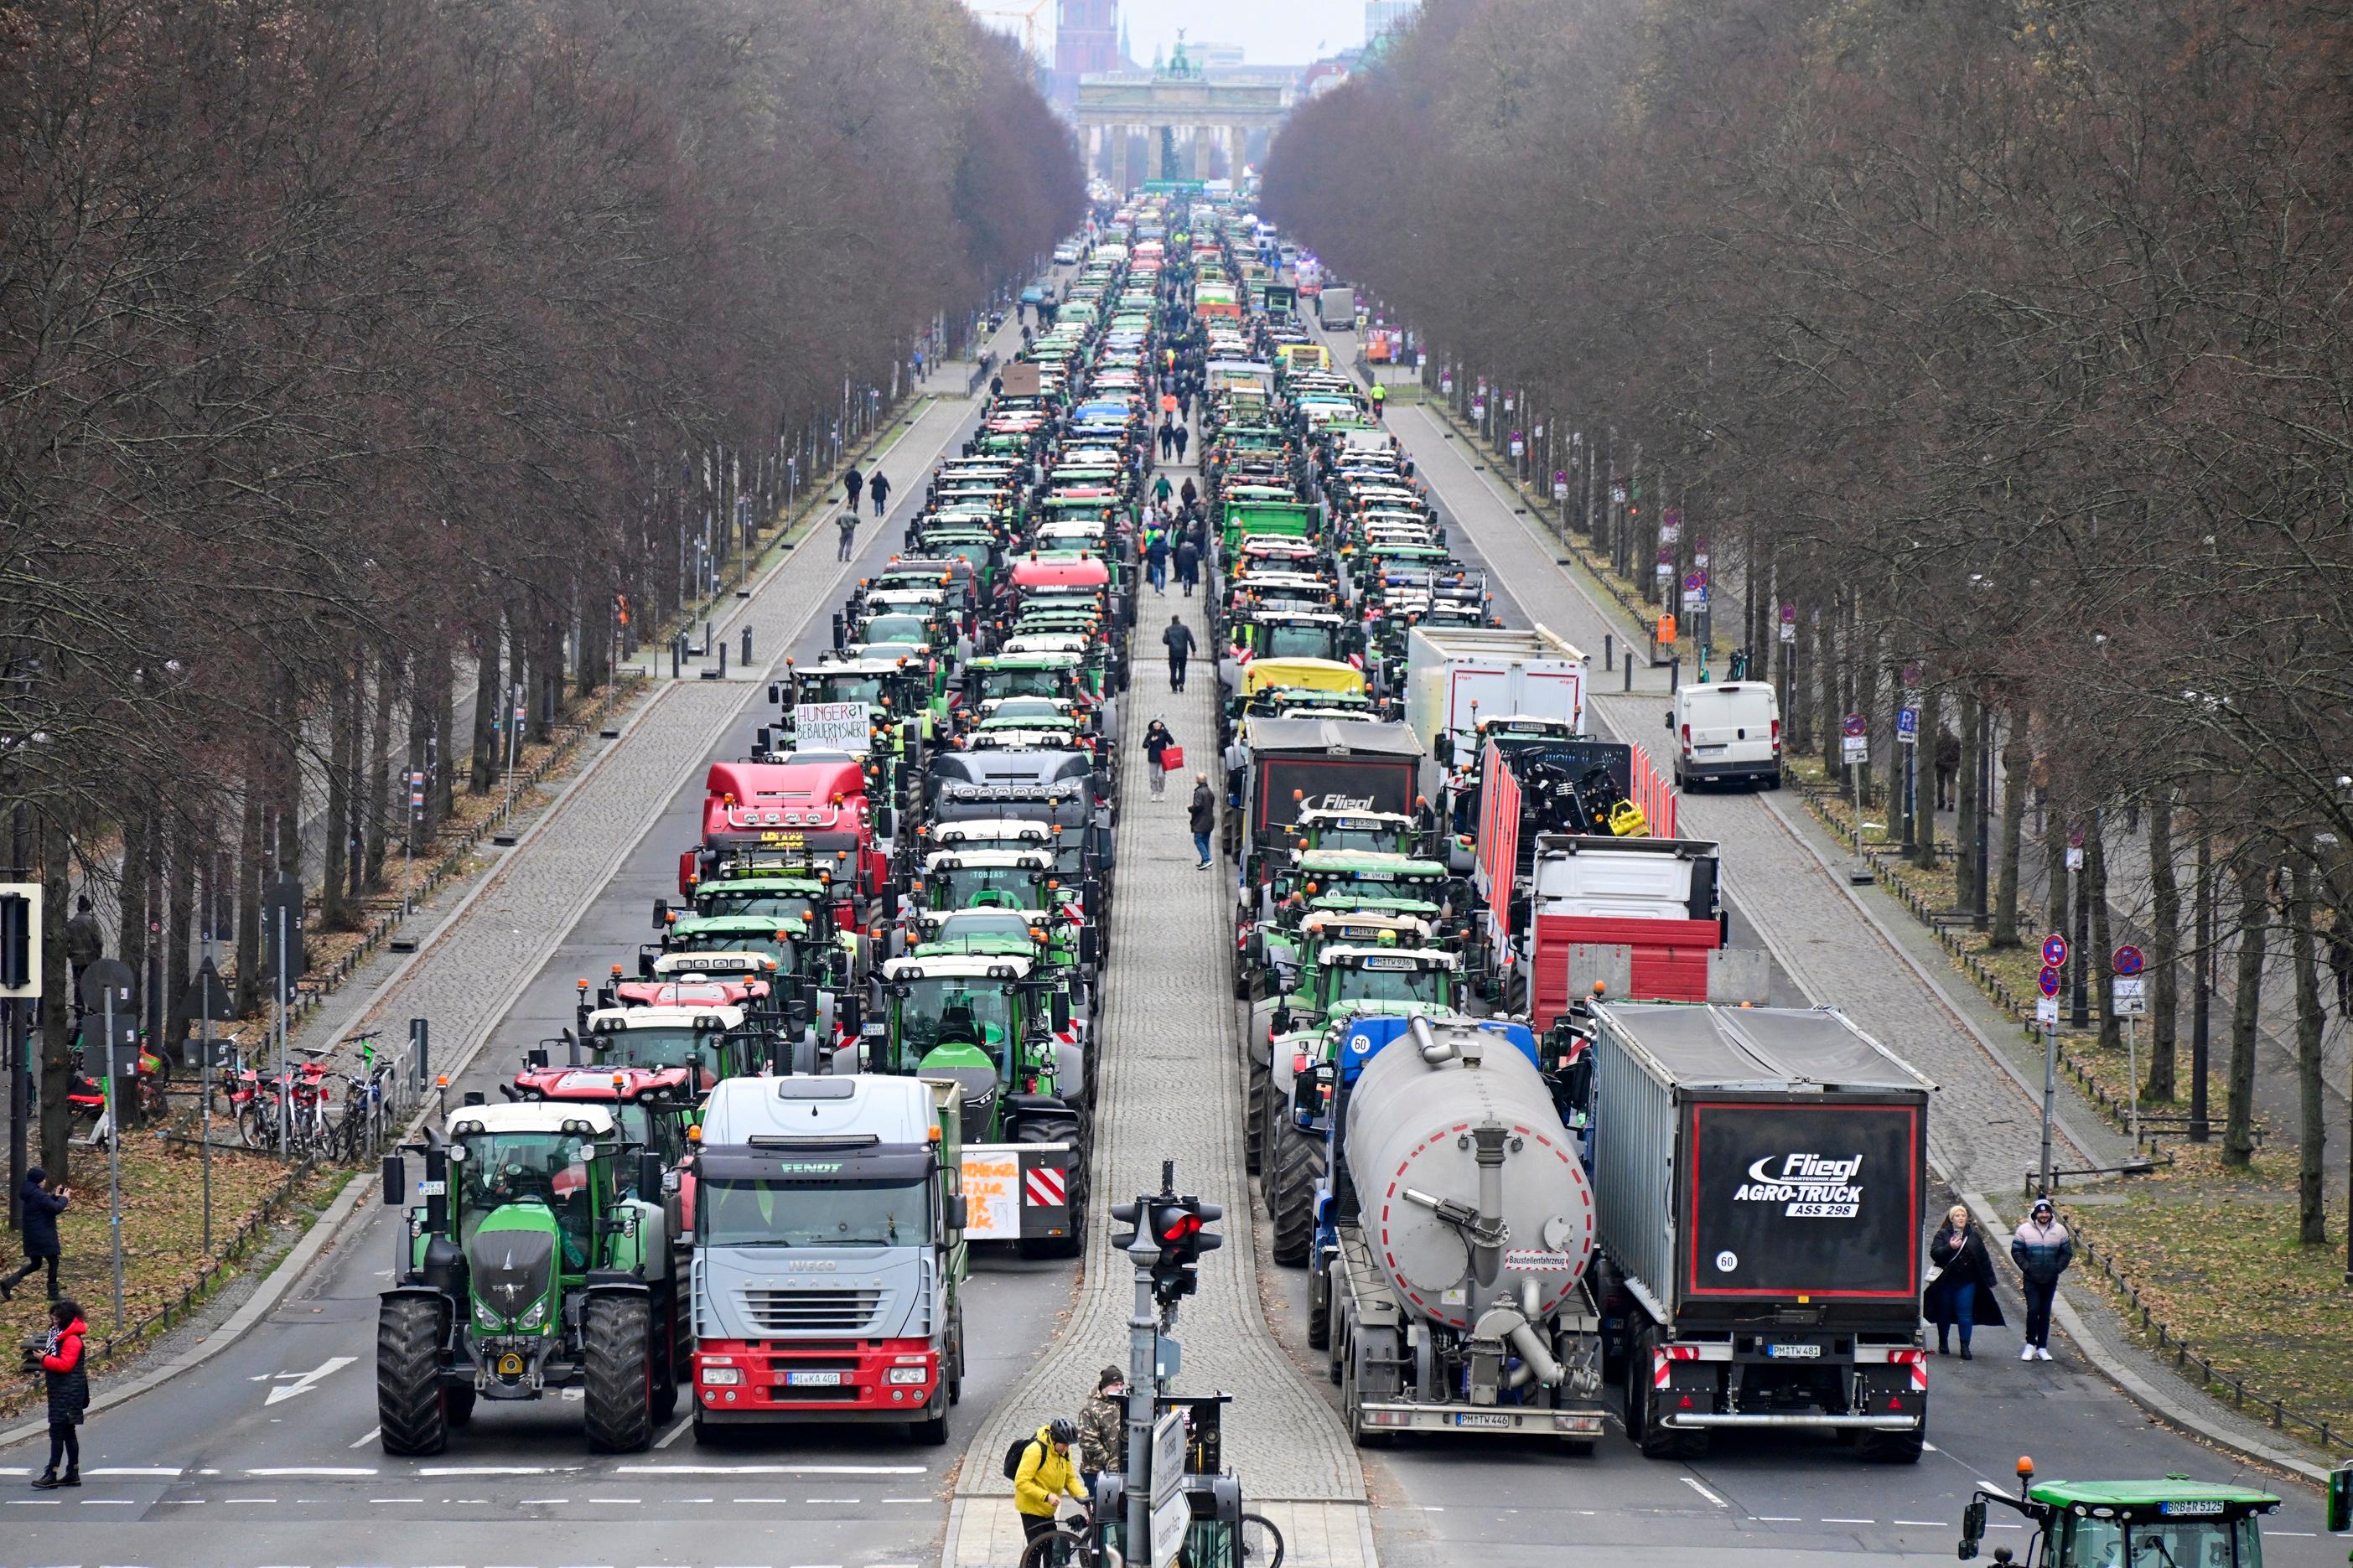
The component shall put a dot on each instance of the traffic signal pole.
(1143, 1391)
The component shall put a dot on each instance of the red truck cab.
(815, 807)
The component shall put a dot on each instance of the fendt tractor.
(529, 1266)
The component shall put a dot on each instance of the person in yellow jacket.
(1045, 1475)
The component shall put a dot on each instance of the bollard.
(722, 661)
(706, 639)
(420, 1035)
(677, 652)
(1630, 673)
(1675, 673)
(747, 648)
(1609, 650)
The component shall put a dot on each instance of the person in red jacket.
(62, 1365)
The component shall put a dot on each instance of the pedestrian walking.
(2340, 969)
(1167, 442)
(1179, 640)
(37, 1231)
(2043, 1249)
(848, 525)
(851, 483)
(1188, 563)
(1155, 560)
(63, 1370)
(1962, 1291)
(1157, 742)
(1160, 490)
(1183, 436)
(1949, 766)
(1187, 494)
(880, 489)
(1045, 1475)
(1102, 1428)
(1201, 816)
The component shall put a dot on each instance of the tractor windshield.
(2161, 1543)
(895, 629)
(768, 943)
(1404, 983)
(813, 1214)
(839, 688)
(1373, 839)
(986, 887)
(546, 1168)
(763, 902)
(649, 1047)
(938, 1012)
(1024, 683)
(1289, 640)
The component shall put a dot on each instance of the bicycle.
(1257, 1544)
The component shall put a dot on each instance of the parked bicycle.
(1254, 1542)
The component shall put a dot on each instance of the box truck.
(1759, 1178)
(1458, 675)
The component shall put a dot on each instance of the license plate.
(1495, 1419)
(1794, 1352)
(1706, 750)
(812, 1380)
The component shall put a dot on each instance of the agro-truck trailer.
(1759, 1177)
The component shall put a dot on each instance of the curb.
(274, 1289)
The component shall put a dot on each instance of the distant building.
(1088, 41)
(1382, 16)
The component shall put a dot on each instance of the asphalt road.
(267, 1455)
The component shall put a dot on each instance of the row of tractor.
(1510, 1098)
(863, 1036)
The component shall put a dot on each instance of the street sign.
(207, 995)
(1694, 600)
(1670, 532)
(1789, 631)
(1855, 724)
(1854, 748)
(1666, 570)
(2131, 1001)
(2129, 960)
(1172, 1516)
(2048, 980)
(2074, 857)
(1908, 726)
(1912, 675)
(2054, 950)
(2046, 1012)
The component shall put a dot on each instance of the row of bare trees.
(361, 357)
(2005, 339)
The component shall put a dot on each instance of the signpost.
(1790, 623)
(1172, 1516)
(2046, 1014)
(2128, 1001)
(1854, 748)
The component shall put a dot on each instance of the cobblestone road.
(1170, 1091)
(1987, 1129)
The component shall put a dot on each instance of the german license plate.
(1495, 1419)
(1794, 1352)
(812, 1380)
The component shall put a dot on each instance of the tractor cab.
(1372, 832)
(985, 1022)
(2175, 1522)
(712, 1043)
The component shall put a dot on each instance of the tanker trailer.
(1458, 1223)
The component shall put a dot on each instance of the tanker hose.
(1487, 1237)
(1427, 1042)
(1536, 1363)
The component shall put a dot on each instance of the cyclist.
(1046, 1475)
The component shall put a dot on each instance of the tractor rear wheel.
(409, 1405)
(1291, 1194)
(1256, 1100)
(616, 1333)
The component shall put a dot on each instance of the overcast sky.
(1273, 32)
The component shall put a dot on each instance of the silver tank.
(1469, 1187)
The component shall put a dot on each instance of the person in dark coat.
(878, 487)
(1201, 816)
(1963, 1292)
(1188, 563)
(40, 1208)
(63, 1369)
(1179, 640)
(1157, 742)
(851, 483)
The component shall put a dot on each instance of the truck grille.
(811, 1311)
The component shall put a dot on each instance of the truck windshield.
(2167, 1543)
(999, 886)
(813, 1214)
(1355, 982)
(1287, 641)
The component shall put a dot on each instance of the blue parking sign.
(1908, 726)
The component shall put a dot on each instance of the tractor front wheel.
(409, 1409)
(617, 1334)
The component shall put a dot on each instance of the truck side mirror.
(959, 1213)
(396, 1181)
(884, 821)
(1059, 1008)
(1670, 721)
(1973, 1525)
(650, 1174)
(661, 913)
(763, 740)
(1089, 944)
(776, 694)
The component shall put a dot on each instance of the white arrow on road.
(293, 1383)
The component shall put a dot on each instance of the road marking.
(1925, 1523)
(1427, 1508)
(313, 1470)
(1774, 1519)
(528, 1501)
(158, 1472)
(126, 1502)
(187, 1502)
(672, 1435)
(1702, 1491)
(298, 1382)
(373, 1434)
(34, 1501)
(1849, 1521)
(489, 1469)
(770, 1470)
(621, 1500)
(395, 1500)
(901, 1500)
(815, 1499)
(782, 1500)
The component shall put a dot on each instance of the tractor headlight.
(485, 1318)
(537, 1316)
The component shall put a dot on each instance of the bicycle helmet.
(1063, 1430)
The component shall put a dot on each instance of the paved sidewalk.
(1169, 1090)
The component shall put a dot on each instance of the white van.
(1726, 730)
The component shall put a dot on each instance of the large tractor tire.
(1299, 1161)
(616, 1335)
(1319, 1305)
(457, 1405)
(409, 1409)
(1258, 1095)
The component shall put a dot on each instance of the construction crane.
(1027, 16)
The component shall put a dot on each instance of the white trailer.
(1458, 675)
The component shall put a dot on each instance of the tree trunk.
(131, 892)
(290, 780)
(2016, 758)
(2238, 1127)
(2312, 1129)
(441, 690)
(378, 801)
(2103, 954)
(57, 1006)
(487, 703)
(249, 902)
(548, 691)
(1801, 699)
(1932, 718)
(1825, 663)
(2165, 943)
(1966, 894)
(334, 907)
(188, 850)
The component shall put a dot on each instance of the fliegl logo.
(1808, 1186)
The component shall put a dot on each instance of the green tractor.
(2171, 1523)
(530, 1266)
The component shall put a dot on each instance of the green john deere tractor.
(530, 1266)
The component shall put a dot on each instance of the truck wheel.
(1319, 1307)
(1291, 1201)
(617, 1334)
(1256, 1095)
(1352, 1410)
(408, 1404)
(1891, 1448)
(932, 1432)
(1641, 1424)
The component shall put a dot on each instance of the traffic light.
(1125, 1214)
(1180, 1229)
